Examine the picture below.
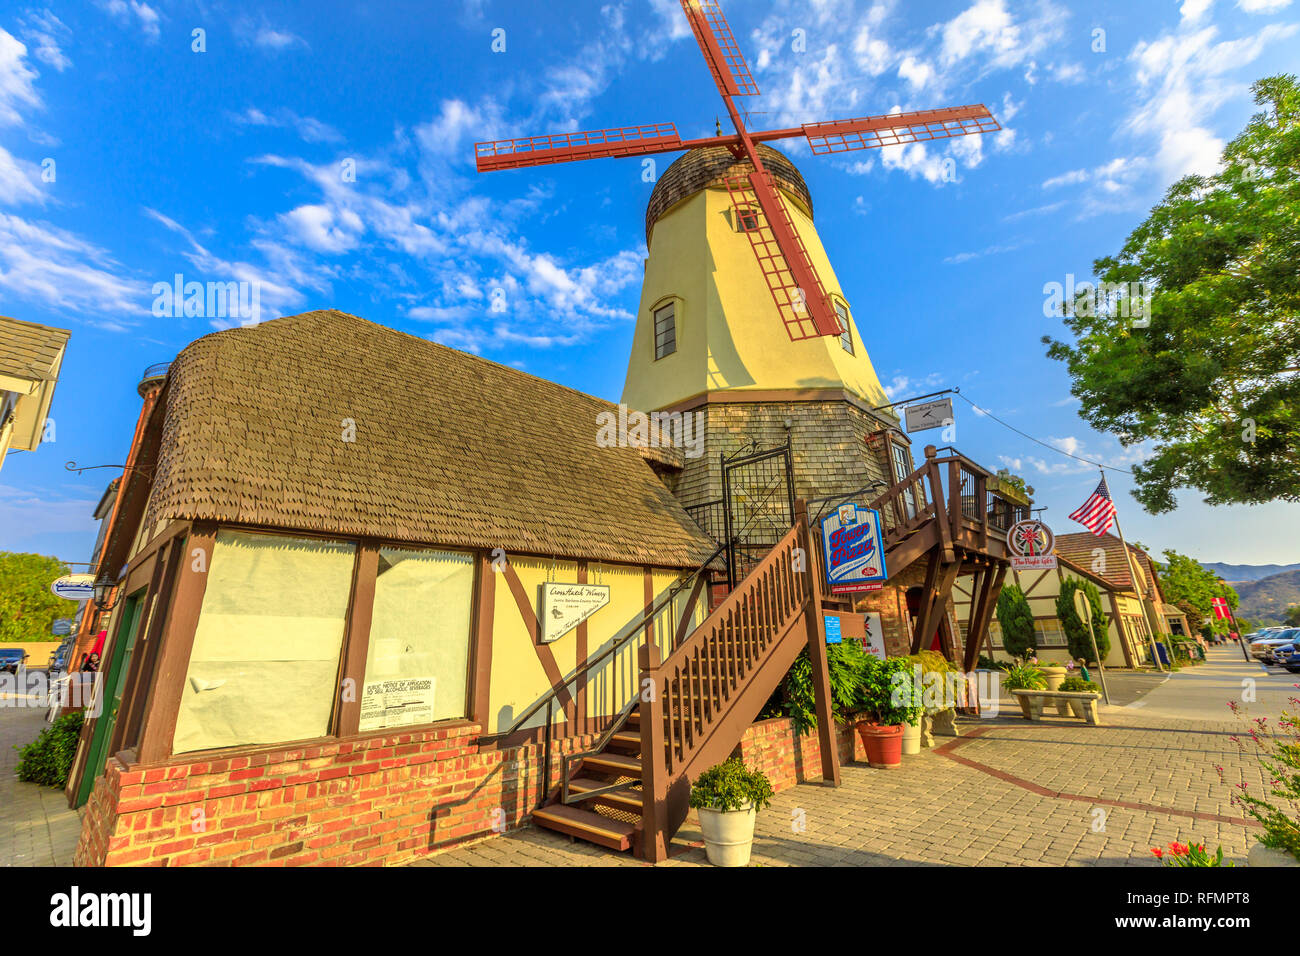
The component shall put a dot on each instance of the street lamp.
(103, 593)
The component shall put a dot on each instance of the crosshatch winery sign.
(854, 547)
(563, 607)
(397, 703)
(929, 415)
(1032, 545)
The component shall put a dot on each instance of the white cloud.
(309, 129)
(45, 31)
(1263, 6)
(41, 262)
(17, 80)
(1183, 78)
(128, 12)
(322, 229)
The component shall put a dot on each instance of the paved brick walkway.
(36, 826)
(1058, 793)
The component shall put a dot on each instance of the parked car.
(13, 659)
(1262, 646)
(1288, 656)
(59, 660)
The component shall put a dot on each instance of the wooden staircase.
(631, 790)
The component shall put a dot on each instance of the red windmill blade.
(800, 296)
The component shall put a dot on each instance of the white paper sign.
(563, 607)
(397, 703)
(936, 414)
(875, 636)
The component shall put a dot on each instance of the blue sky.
(228, 164)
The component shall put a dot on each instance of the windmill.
(800, 297)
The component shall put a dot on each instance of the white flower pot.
(1261, 855)
(728, 835)
(912, 737)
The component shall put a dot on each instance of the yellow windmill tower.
(707, 327)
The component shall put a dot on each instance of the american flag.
(1098, 512)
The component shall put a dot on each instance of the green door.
(114, 671)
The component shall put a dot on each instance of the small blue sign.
(833, 631)
(854, 546)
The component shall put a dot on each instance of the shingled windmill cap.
(707, 167)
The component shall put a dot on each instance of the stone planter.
(1055, 676)
(728, 835)
(1261, 855)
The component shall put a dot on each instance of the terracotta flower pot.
(883, 743)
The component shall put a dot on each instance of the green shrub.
(1077, 685)
(987, 663)
(1016, 620)
(1075, 627)
(48, 759)
(1278, 808)
(888, 693)
(797, 696)
(730, 786)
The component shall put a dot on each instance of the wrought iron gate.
(757, 504)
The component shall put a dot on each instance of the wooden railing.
(698, 700)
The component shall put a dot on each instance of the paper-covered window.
(265, 663)
(417, 665)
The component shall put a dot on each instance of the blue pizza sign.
(854, 546)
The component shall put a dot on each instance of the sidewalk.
(36, 826)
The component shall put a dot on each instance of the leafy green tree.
(1076, 628)
(1016, 620)
(1188, 585)
(27, 607)
(1292, 616)
(1212, 380)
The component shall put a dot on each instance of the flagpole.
(1137, 589)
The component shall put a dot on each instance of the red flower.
(1178, 849)
(1160, 854)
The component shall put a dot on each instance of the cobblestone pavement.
(1009, 793)
(36, 826)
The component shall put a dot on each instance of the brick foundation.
(373, 801)
(773, 747)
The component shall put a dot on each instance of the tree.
(1016, 621)
(27, 607)
(1292, 616)
(1188, 585)
(1212, 380)
(1076, 628)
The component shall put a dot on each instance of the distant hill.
(1268, 598)
(1232, 573)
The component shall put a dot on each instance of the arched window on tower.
(846, 333)
(665, 329)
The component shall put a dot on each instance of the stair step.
(586, 825)
(629, 800)
(620, 764)
(627, 739)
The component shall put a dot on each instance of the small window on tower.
(665, 330)
(747, 219)
(846, 335)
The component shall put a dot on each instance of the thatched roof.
(450, 448)
(709, 166)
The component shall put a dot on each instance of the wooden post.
(654, 772)
(817, 652)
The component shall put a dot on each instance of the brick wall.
(786, 758)
(377, 801)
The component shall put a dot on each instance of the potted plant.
(940, 680)
(728, 798)
(887, 699)
(1023, 675)
(1053, 674)
(1077, 685)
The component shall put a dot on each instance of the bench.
(1031, 703)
